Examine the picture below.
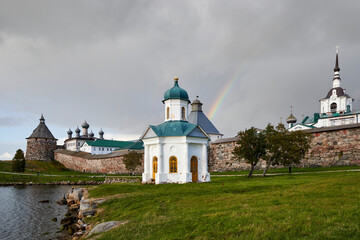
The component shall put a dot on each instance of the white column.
(161, 158)
(146, 174)
(186, 167)
(161, 176)
(185, 163)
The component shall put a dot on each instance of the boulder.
(103, 227)
(74, 195)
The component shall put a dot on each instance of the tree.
(251, 146)
(18, 162)
(297, 145)
(275, 140)
(132, 160)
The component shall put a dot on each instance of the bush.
(18, 162)
(132, 160)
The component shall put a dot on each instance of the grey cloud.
(109, 62)
(10, 122)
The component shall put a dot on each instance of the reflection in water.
(23, 217)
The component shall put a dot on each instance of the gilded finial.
(176, 79)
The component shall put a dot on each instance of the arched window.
(333, 107)
(173, 164)
(167, 113)
(183, 113)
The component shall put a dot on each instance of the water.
(23, 217)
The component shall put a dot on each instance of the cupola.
(291, 120)
(101, 134)
(69, 133)
(77, 131)
(176, 102)
(196, 105)
(176, 92)
(91, 135)
(85, 127)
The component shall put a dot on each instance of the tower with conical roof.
(197, 116)
(41, 144)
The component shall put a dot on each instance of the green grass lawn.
(306, 206)
(45, 169)
(286, 170)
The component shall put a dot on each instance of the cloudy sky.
(110, 62)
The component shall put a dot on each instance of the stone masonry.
(111, 163)
(330, 146)
(40, 149)
(334, 146)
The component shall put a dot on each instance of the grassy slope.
(309, 206)
(45, 168)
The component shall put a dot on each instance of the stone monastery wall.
(111, 163)
(334, 146)
(330, 146)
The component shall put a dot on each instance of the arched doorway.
(155, 166)
(194, 168)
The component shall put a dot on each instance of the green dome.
(176, 92)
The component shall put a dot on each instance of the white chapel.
(175, 151)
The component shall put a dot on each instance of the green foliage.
(296, 144)
(307, 206)
(18, 162)
(132, 160)
(251, 146)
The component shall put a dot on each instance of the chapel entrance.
(155, 166)
(194, 168)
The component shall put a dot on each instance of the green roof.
(136, 146)
(173, 128)
(176, 92)
(110, 143)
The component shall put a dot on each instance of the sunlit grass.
(308, 206)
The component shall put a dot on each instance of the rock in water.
(44, 201)
(103, 227)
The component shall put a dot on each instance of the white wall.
(175, 106)
(183, 148)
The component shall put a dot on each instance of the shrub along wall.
(111, 163)
(330, 146)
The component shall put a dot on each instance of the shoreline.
(70, 183)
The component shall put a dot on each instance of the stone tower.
(41, 143)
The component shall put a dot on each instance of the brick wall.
(85, 162)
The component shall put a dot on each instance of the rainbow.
(223, 93)
(234, 79)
